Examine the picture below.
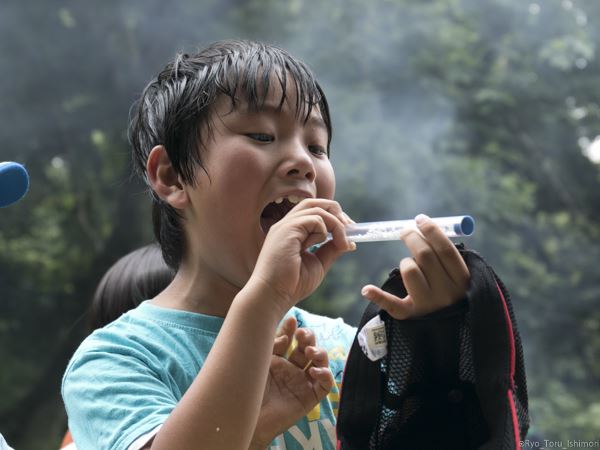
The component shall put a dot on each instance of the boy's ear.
(163, 178)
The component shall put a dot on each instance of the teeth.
(292, 199)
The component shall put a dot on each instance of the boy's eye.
(317, 150)
(261, 137)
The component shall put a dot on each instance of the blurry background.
(440, 106)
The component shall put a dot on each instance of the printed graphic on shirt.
(320, 435)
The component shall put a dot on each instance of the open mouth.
(275, 211)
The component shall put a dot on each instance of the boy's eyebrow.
(317, 122)
(270, 108)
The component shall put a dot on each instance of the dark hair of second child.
(140, 275)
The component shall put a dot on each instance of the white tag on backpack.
(372, 339)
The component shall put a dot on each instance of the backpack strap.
(498, 357)
(360, 411)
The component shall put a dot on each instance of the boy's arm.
(295, 384)
(221, 406)
(220, 410)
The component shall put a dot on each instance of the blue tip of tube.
(466, 227)
(14, 183)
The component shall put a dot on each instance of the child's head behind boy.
(229, 140)
(139, 275)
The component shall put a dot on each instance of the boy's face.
(253, 160)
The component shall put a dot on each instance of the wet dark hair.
(175, 111)
(137, 276)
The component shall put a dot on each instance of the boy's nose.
(298, 164)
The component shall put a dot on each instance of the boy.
(234, 144)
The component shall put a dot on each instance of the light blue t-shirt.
(126, 378)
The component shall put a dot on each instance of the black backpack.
(452, 380)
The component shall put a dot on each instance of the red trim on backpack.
(515, 420)
(67, 439)
(511, 401)
(511, 337)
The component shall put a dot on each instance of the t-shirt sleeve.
(112, 397)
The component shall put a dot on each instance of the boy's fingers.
(284, 335)
(304, 339)
(323, 380)
(398, 308)
(328, 253)
(318, 221)
(287, 327)
(425, 257)
(335, 223)
(318, 356)
(448, 254)
(414, 280)
(333, 249)
(329, 205)
(348, 218)
(316, 226)
(280, 345)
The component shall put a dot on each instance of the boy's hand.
(285, 266)
(294, 386)
(435, 277)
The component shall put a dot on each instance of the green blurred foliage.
(439, 106)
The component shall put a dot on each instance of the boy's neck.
(191, 292)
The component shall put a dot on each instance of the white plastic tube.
(455, 226)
